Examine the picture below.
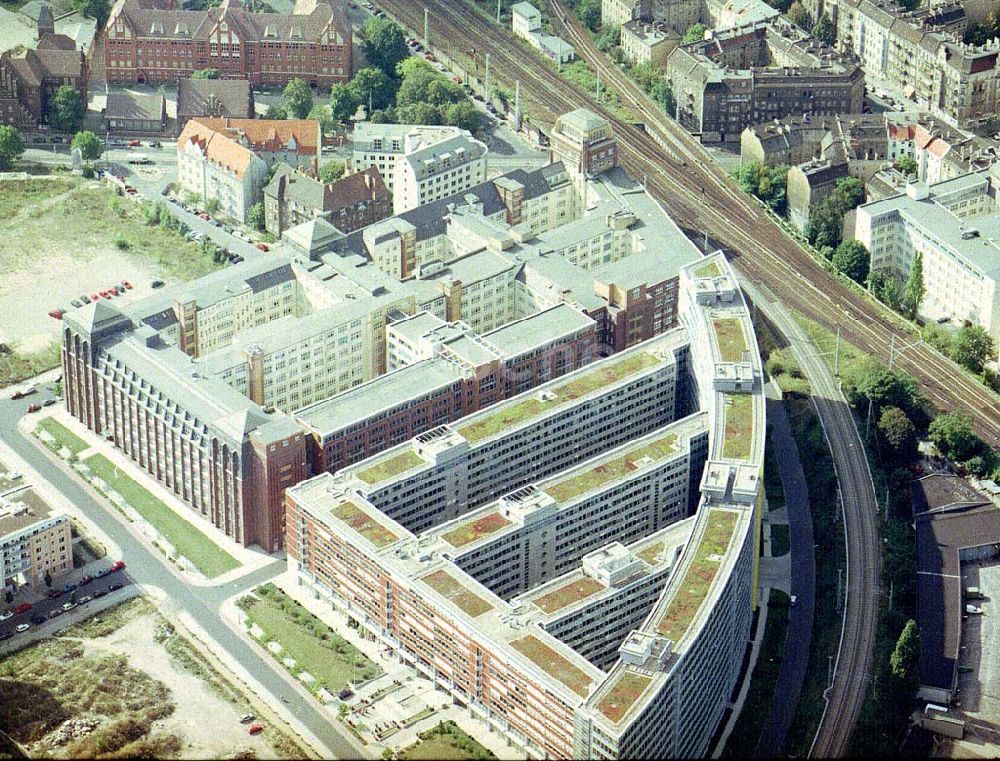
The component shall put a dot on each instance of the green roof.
(623, 694)
(364, 524)
(649, 553)
(389, 467)
(472, 531)
(693, 588)
(709, 269)
(610, 470)
(568, 593)
(553, 664)
(446, 584)
(509, 415)
(730, 337)
(738, 436)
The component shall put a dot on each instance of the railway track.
(698, 195)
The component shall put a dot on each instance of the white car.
(23, 627)
(6, 614)
(85, 599)
(15, 476)
(68, 605)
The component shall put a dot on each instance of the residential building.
(384, 146)
(515, 553)
(34, 541)
(919, 56)
(217, 98)
(794, 139)
(620, 12)
(747, 75)
(295, 142)
(954, 225)
(526, 23)
(584, 142)
(212, 165)
(129, 113)
(648, 42)
(427, 172)
(148, 41)
(29, 77)
(350, 203)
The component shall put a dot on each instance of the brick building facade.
(147, 42)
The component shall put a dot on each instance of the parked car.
(344, 694)
(38, 618)
(54, 593)
(68, 605)
(117, 565)
(204, 215)
(255, 729)
(6, 614)
(23, 628)
(24, 607)
(263, 247)
(48, 402)
(134, 143)
(100, 593)
(69, 587)
(6, 635)
(429, 56)
(94, 297)
(127, 284)
(55, 612)
(247, 718)
(156, 284)
(84, 600)
(114, 587)
(34, 407)
(85, 299)
(76, 304)
(85, 580)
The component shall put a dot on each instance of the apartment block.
(648, 42)
(584, 142)
(153, 42)
(919, 57)
(576, 564)
(620, 12)
(34, 541)
(419, 164)
(953, 224)
(751, 74)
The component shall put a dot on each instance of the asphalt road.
(201, 603)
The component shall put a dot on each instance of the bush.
(121, 243)
(88, 172)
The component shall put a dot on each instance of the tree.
(898, 432)
(798, 15)
(662, 94)
(852, 259)
(331, 170)
(418, 113)
(908, 5)
(824, 30)
(48, 579)
(206, 74)
(66, 109)
(371, 87)
(904, 663)
(442, 91)
(780, 5)
(323, 115)
(298, 98)
(11, 146)
(212, 205)
(385, 44)
(275, 111)
(464, 115)
(609, 37)
(89, 145)
(972, 347)
(412, 65)
(913, 291)
(415, 86)
(343, 102)
(848, 192)
(590, 14)
(875, 382)
(906, 164)
(96, 9)
(954, 436)
(255, 216)
(695, 33)
(884, 287)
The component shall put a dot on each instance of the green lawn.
(698, 579)
(738, 410)
(756, 708)
(780, 540)
(16, 366)
(316, 648)
(210, 559)
(390, 467)
(63, 435)
(445, 741)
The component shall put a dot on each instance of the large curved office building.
(576, 564)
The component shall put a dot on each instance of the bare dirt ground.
(207, 725)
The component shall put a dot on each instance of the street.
(147, 568)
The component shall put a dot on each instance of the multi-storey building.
(748, 75)
(620, 12)
(295, 142)
(953, 225)
(439, 372)
(584, 142)
(526, 23)
(35, 541)
(384, 146)
(577, 564)
(919, 56)
(128, 113)
(427, 172)
(149, 41)
(29, 78)
(216, 98)
(350, 203)
(648, 42)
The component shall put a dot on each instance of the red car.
(429, 56)
(255, 729)
(24, 607)
(204, 215)
(263, 247)
(134, 143)
(54, 313)
(118, 565)
(34, 407)
(94, 297)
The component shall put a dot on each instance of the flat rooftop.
(22, 509)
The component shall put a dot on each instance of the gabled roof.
(130, 105)
(215, 97)
(269, 134)
(216, 147)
